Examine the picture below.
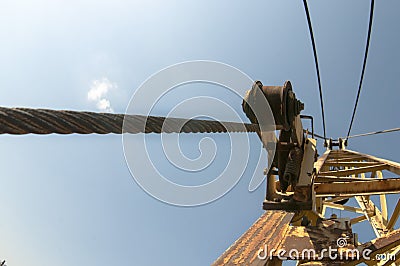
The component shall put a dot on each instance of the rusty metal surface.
(269, 229)
(287, 205)
(43, 121)
(324, 233)
(384, 243)
(318, 238)
(379, 246)
(281, 99)
(272, 233)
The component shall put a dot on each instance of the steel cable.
(375, 133)
(371, 15)
(19, 121)
(316, 64)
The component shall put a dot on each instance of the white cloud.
(98, 92)
(103, 104)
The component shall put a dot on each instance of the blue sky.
(71, 199)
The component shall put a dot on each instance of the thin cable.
(319, 136)
(375, 132)
(316, 64)
(315, 134)
(371, 15)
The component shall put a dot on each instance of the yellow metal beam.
(347, 159)
(394, 217)
(336, 199)
(393, 167)
(358, 219)
(344, 189)
(349, 164)
(325, 179)
(373, 215)
(382, 199)
(321, 161)
(343, 207)
(356, 171)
